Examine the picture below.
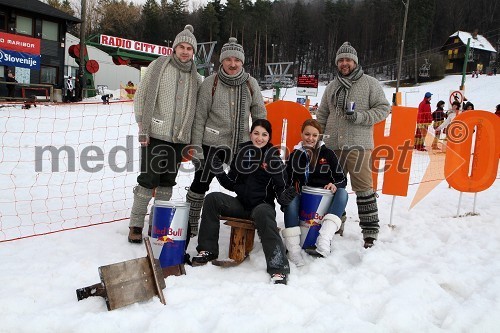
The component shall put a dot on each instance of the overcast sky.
(192, 4)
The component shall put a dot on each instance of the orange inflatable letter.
(481, 129)
(396, 149)
(295, 114)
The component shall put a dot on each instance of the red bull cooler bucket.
(314, 204)
(169, 232)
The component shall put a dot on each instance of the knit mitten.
(351, 117)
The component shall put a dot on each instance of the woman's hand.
(331, 187)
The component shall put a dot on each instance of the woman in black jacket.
(257, 175)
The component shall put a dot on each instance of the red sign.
(19, 43)
(307, 81)
(134, 45)
(456, 95)
(92, 66)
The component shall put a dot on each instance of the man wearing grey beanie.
(352, 103)
(226, 100)
(164, 106)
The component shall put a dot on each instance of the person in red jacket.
(424, 120)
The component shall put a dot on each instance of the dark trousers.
(203, 177)
(11, 90)
(69, 95)
(160, 162)
(78, 94)
(264, 216)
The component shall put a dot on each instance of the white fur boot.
(331, 223)
(292, 243)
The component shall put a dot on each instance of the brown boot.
(135, 235)
(368, 242)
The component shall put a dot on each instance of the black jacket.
(439, 115)
(257, 175)
(327, 169)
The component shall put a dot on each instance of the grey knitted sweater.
(214, 123)
(165, 102)
(371, 107)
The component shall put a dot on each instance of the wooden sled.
(128, 282)
(241, 241)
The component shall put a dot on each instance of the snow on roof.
(478, 43)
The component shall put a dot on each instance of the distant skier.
(69, 89)
(106, 98)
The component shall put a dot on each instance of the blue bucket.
(314, 204)
(169, 232)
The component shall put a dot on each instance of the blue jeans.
(336, 208)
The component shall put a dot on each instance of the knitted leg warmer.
(142, 196)
(196, 200)
(368, 213)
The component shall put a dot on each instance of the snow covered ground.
(433, 272)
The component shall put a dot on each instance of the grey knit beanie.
(347, 51)
(186, 36)
(232, 49)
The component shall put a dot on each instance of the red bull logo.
(165, 239)
(167, 231)
(310, 216)
(311, 223)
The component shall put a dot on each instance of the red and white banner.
(133, 45)
(19, 43)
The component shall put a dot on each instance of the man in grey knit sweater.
(352, 103)
(226, 100)
(164, 107)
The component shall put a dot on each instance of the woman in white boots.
(313, 164)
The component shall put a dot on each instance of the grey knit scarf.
(153, 84)
(341, 94)
(242, 97)
(182, 66)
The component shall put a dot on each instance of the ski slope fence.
(66, 166)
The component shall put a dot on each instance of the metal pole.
(83, 27)
(474, 206)
(466, 59)
(407, 4)
(459, 204)
(392, 212)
